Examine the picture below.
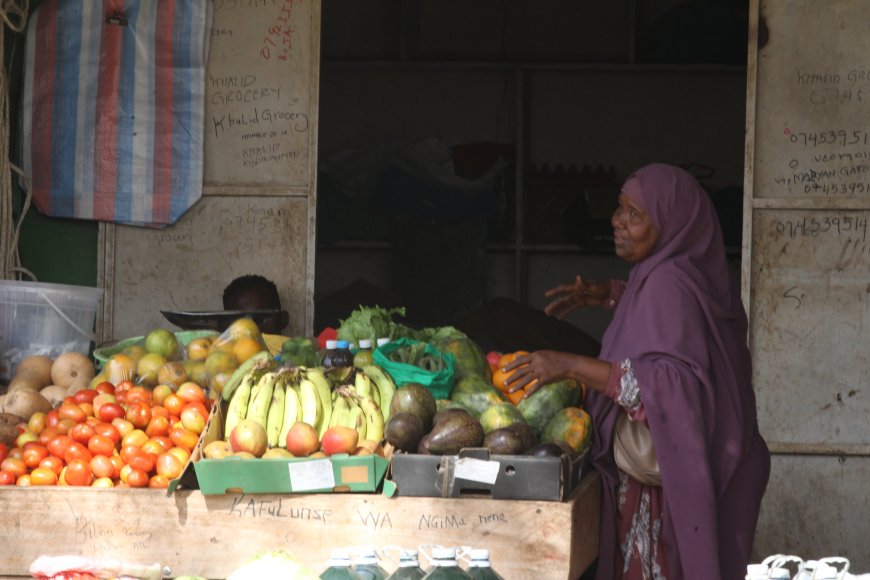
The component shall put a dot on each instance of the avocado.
(526, 432)
(550, 449)
(404, 431)
(423, 446)
(504, 441)
(455, 433)
(417, 399)
(449, 412)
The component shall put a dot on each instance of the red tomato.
(164, 441)
(135, 437)
(128, 451)
(158, 482)
(138, 394)
(78, 472)
(123, 426)
(85, 395)
(124, 385)
(108, 430)
(7, 477)
(153, 447)
(117, 463)
(173, 403)
(137, 478)
(47, 435)
(142, 461)
(191, 392)
(24, 480)
(101, 445)
(105, 387)
(15, 453)
(88, 408)
(158, 426)
(77, 451)
(64, 425)
(82, 433)
(183, 438)
(139, 414)
(159, 411)
(51, 418)
(33, 454)
(169, 465)
(53, 463)
(181, 453)
(4, 449)
(101, 466)
(200, 408)
(43, 476)
(110, 411)
(160, 393)
(14, 465)
(59, 444)
(71, 411)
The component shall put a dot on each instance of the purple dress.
(681, 329)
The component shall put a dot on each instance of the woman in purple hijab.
(675, 358)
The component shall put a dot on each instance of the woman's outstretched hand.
(570, 297)
(537, 369)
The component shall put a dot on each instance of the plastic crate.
(45, 319)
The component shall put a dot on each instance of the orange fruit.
(509, 357)
(243, 327)
(516, 396)
(197, 349)
(244, 347)
(120, 367)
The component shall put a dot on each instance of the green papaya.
(547, 401)
(476, 394)
(470, 358)
(572, 425)
(500, 415)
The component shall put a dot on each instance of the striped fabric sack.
(113, 106)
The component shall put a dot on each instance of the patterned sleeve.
(617, 289)
(622, 387)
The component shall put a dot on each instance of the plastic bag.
(412, 361)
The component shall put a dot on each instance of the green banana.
(292, 411)
(324, 391)
(386, 387)
(261, 398)
(358, 418)
(310, 401)
(341, 413)
(275, 416)
(363, 384)
(238, 407)
(374, 419)
(261, 358)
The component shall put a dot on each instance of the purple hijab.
(682, 324)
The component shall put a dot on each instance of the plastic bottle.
(409, 567)
(382, 341)
(445, 566)
(341, 356)
(329, 354)
(368, 567)
(480, 567)
(339, 567)
(363, 356)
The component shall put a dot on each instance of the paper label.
(477, 470)
(312, 474)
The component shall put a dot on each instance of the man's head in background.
(255, 292)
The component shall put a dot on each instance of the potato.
(55, 394)
(9, 428)
(25, 403)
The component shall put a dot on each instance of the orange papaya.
(572, 425)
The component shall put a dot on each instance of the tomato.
(14, 465)
(43, 476)
(7, 477)
(191, 392)
(169, 465)
(135, 437)
(85, 395)
(15, 453)
(33, 455)
(123, 426)
(153, 447)
(51, 418)
(53, 463)
(138, 394)
(65, 425)
(58, 445)
(139, 414)
(124, 386)
(117, 463)
(158, 426)
(24, 480)
(110, 411)
(142, 461)
(103, 482)
(101, 445)
(82, 433)
(160, 392)
(125, 472)
(77, 451)
(199, 407)
(128, 451)
(71, 411)
(105, 387)
(137, 478)
(4, 449)
(78, 472)
(101, 466)
(181, 453)
(183, 438)
(47, 435)
(173, 403)
(26, 437)
(158, 482)
(36, 423)
(159, 411)
(164, 441)
(108, 430)
(192, 419)
(88, 408)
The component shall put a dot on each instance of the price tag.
(312, 474)
(477, 470)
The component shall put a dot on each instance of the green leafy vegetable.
(371, 322)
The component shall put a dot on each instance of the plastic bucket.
(46, 319)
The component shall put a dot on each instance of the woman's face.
(634, 235)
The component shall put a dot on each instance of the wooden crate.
(189, 533)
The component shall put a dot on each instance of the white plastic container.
(47, 319)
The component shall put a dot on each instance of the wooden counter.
(189, 533)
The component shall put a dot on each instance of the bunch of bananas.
(279, 397)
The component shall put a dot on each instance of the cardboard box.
(475, 472)
(339, 473)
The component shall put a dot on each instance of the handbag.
(634, 452)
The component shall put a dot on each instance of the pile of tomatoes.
(122, 435)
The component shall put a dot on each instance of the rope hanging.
(14, 15)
